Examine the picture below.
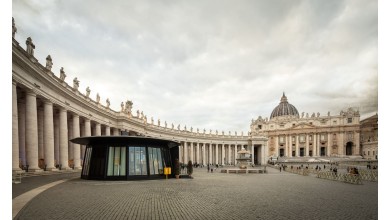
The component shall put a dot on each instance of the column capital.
(31, 92)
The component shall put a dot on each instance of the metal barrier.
(369, 175)
(348, 178)
(304, 172)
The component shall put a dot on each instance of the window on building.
(368, 153)
(281, 139)
(116, 161)
(373, 153)
(272, 126)
(310, 123)
(281, 126)
(349, 120)
(293, 138)
(293, 125)
(335, 122)
(302, 138)
(259, 126)
(322, 137)
(310, 138)
(334, 136)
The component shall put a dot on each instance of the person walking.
(280, 169)
(208, 168)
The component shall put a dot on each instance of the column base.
(51, 169)
(66, 168)
(18, 170)
(78, 168)
(35, 170)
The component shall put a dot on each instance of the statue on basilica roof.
(137, 113)
(328, 113)
(165, 124)
(318, 114)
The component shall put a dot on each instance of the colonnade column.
(185, 153)
(253, 153)
(116, 131)
(192, 152)
(15, 130)
(48, 135)
(315, 144)
(297, 153)
(197, 153)
(108, 131)
(31, 131)
(76, 147)
(307, 145)
(180, 152)
(87, 133)
(223, 154)
(229, 155)
(329, 145)
(40, 134)
(63, 139)
(210, 154)
(22, 131)
(98, 130)
(216, 154)
(204, 154)
(235, 154)
(56, 139)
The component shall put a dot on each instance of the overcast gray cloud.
(212, 64)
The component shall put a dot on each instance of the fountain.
(243, 161)
(244, 157)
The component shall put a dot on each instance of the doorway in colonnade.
(348, 149)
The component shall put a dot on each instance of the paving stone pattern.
(276, 195)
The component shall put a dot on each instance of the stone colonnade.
(59, 125)
(204, 153)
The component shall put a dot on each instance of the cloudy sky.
(211, 64)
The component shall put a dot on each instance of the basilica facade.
(47, 112)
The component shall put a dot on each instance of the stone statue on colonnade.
(185, 127)
(62, 74)
(49, 63)
(165, 124)
(122, 107)
(145, 119)
(158, 122)
(88, 92)
(142, 114)
(30, 46)
(178, 127)
(318, 114)
(328, 113)
(152, 120)
(172, 126)
(14, 29)
(137, 113)
(128, 107)
(108, 103)
(75, 84)
(97, 98)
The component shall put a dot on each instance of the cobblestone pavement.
(31, 181)
(276, 195)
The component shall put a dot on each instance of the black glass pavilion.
(126, 157)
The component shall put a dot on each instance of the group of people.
(211, 167)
